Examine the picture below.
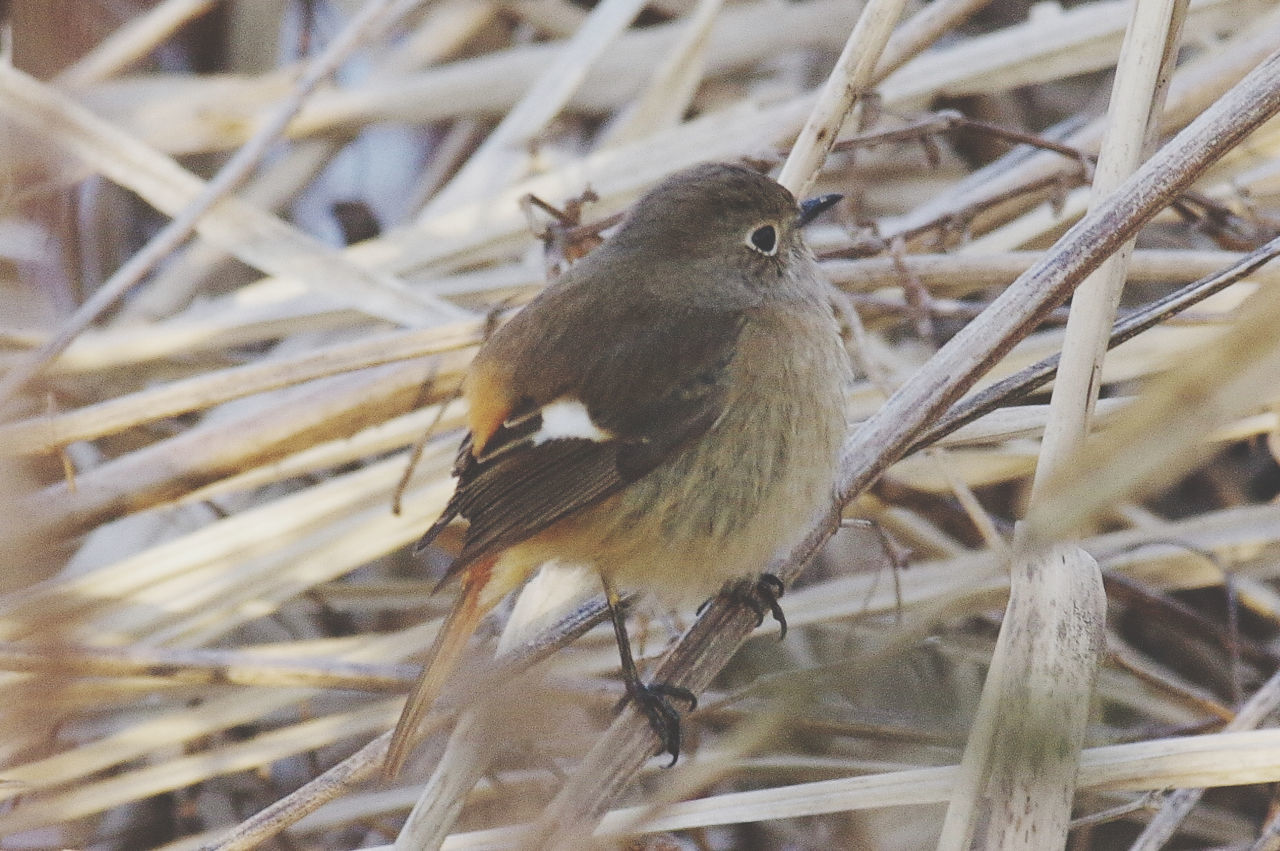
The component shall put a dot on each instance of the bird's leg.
(653, 699)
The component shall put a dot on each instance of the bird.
(668, 412)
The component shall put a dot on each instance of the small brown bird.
(668, 412)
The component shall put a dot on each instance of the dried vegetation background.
(208, 601)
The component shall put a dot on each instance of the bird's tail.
(477, 598)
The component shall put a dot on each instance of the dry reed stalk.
(1018, 779)
(1146, 765)
(837, 101)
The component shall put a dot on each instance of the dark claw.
(655, 702)
(770, 589)
(669, 691)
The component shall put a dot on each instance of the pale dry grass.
(208, 601)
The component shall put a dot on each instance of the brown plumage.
(668, 412)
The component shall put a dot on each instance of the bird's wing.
(653, 386)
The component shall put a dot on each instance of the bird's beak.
(814, 207)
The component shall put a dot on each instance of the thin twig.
(1029, 379)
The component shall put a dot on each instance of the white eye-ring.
(763, 239)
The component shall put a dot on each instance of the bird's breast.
(724, 505)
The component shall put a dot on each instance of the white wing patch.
(568, 418)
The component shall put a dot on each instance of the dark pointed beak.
(814, 207)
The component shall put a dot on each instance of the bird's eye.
(764, 239)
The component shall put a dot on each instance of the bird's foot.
(761, 595)
(654, 700)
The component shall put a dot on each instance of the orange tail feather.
(446, 652)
